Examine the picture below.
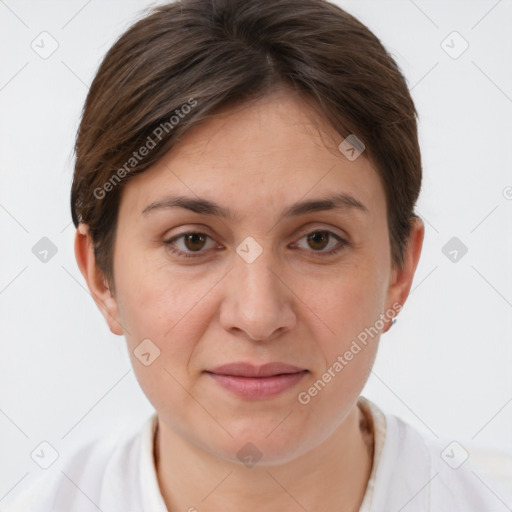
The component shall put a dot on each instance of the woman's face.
(260, 284)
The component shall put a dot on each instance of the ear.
(95, 279)
(401, 278)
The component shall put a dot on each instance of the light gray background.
(444, 366)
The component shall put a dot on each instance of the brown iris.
(193, 239)
(318, 237)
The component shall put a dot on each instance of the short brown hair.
(210, 54)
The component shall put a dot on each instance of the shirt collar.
(152, 498)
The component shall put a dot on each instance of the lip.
(257, 382)
(243, 369)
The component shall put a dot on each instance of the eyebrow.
(340, 202)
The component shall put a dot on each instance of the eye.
(320, 239)
(192, 241)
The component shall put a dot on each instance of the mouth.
(257, 382)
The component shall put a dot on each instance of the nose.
(258, 302)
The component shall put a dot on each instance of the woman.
(244, 195)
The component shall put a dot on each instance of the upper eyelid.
(301, 231)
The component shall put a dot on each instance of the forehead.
(266, 154)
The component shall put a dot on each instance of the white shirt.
(409, 474)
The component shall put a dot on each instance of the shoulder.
(457, 479)
(103, 474)
(418, 473)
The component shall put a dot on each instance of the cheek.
(153, 305)
(350, 306)
(155, 298)
(351, 299)
(174, 316)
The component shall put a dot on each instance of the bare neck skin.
(333, 476)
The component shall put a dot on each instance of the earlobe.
(96, 281)
(389, 324)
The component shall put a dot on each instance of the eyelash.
(172, 248)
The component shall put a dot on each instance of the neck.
(331, 476)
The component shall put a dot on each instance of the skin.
(293, 304)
